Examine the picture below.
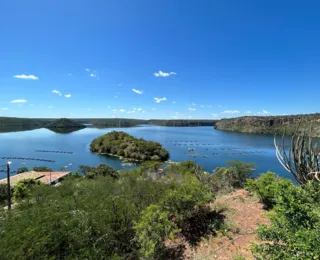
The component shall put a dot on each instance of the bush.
(295, 225)
(24, 187)
(3, 192)
(22, 169)
(100, 170)
(41, 169)
(266, 187)
(231, 177)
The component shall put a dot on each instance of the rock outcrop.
(272, 124)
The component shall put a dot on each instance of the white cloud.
(109, 106)
(56, 92)
(50, 107)
(202, 106)
(67, 95)
(193, 104)
(131, 111)
(230, 112)
(159, 100)
(4, 108)
(163, 74)
(87, 70)
(93, 75)
(173, 102)
(248, 112)
(137, 91)
(19, 101)
(139, 109)
(23, 76)
(265, 112)
(192, 109)
(122, 110)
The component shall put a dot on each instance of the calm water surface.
(214, 147)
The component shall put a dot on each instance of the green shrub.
(151, 230)
(41, 169)
(22, 169)
(23, 188)
(295, 225)
(232, 177)
(266, 187)
(3, 192)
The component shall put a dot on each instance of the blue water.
(216, 145)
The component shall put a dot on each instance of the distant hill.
(271, 124)
(181, 122)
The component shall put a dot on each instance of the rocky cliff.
(271, 124)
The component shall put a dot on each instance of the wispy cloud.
(159, 100)
(23, 76)
(89, 109)
(19, 101)
(56, 92)
(163, 74)
(202, 106)
(153, 109)
(137, 91)
(69, 74)
(173, 102)
(216, 115)
(139, 109)
(248, 112)
(109, 106)
(67, 95)
(220, 106)
(131, 111)
(87, 70)
(209, 106)
(50, 107)
(115, 110)
(122, 110)
(230, 112)
(4, 108)
(192, 109)
(193, 104)
(265, 112)
(92, 75)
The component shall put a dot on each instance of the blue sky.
(151, 59)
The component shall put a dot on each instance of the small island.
(64, 125)
(125, 146)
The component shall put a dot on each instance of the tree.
(41, 169)
(22, 169)
(24, 187)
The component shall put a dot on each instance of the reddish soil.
(242, 215)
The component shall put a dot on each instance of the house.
(50, 178)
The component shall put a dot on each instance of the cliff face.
(271, 124)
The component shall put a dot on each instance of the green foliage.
(100, 170)
(231, 177)
(41, 169)
(266, 187)
(22, 169)
(24, 187)
(3, 192)
(128, 217)
(151, 230)
(123, 144)
(295, 225)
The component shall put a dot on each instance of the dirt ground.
(242, 215)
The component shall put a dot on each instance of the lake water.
(212, 147)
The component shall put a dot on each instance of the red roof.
(52, 177)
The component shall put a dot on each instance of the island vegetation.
(128, 147)
(64, 125)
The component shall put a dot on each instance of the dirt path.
(243, 214)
